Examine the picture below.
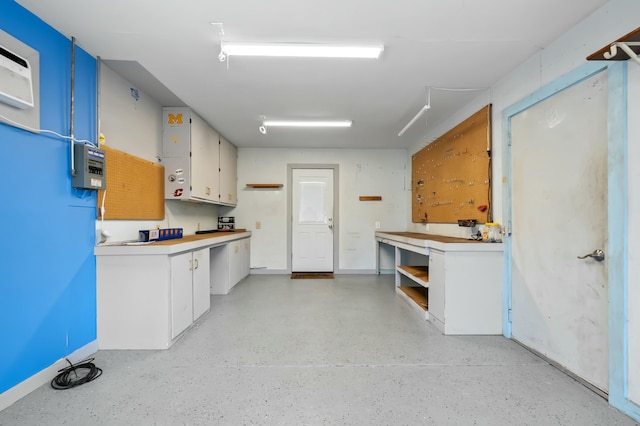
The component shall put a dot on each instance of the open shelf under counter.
(417, 298)
(461, 280)
(419, 274)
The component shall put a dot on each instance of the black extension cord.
(76, 374)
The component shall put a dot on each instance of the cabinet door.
(246, 258)
(204, 160)
(228, 172)
(176, 132)
(201, 274)
(176, 183)
(181, 293)
(219, 269)
(235, 262)
(436, 286)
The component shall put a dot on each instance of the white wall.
(361, 172)
(566, 53)
(135, 126)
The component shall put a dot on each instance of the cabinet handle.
(190, 264)
(196, 261)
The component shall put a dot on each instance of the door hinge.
(510, 315)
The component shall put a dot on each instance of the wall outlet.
(377, 224)
(258, 225)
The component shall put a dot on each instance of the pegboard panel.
(451, 177)
(135, 187)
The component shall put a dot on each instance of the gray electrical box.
(90, 167)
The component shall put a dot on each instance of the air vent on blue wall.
(16, 86)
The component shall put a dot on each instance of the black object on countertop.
(207, 231)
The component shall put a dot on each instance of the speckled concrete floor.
(345, 351)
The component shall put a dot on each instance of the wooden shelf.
(419, 295)
(264, 185)
(633, 36)
(419, 274)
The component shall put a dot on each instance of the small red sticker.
(178, 192)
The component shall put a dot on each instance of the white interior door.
(312, 216)
(559, 196)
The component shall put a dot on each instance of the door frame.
(336, 209)
(617, 216)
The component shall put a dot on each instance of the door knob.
(597, 255)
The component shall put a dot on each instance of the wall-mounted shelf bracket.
(626, 48)
(622, 49)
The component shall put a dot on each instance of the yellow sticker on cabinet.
(174, 119)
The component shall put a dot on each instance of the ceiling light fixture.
(301, 50)
(306, 123)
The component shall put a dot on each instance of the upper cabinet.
(228, 173)
(199, 164)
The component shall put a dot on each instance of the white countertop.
(168, 247)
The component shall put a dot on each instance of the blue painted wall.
(47, 267)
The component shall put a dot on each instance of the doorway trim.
(617, 226)
(336, 209)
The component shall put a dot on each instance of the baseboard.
(264, 271)
(24, 388)
(355, 272)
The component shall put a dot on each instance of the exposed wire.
(76, 374)
(31, 129)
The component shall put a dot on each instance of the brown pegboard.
(135, 187)
(451, 177)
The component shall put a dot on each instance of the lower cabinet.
(231, 263)
(465, 291)
(436, 286)
(147, 296)
(189, 289)
(455, 284)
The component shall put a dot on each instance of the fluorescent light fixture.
(306, 123)
(301, 50)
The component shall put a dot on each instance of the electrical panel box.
(90, 167)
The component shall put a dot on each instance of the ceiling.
(454, 44)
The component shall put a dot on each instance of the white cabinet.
(181, 293)
(436, 286)
(465, 293)
(462, 286)
(228, 173)
(149, 295)
(239, 260)
(229, 265)
(190, 155)
(201, 280)
(189, 289)
(200, 165)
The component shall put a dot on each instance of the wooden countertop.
(169, 247)
(196, 237)
(421, 243)
(432, 237)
